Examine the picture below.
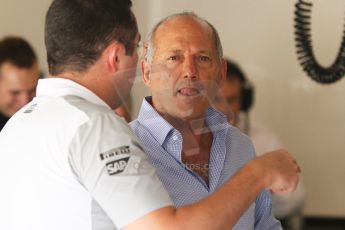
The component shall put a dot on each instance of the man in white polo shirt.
(68, 162)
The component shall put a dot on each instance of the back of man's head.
(78, 31)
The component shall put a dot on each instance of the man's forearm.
(222, 209)
(219, 211)
(275, 171)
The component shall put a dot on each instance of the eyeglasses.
(141, 49)
(140, 46)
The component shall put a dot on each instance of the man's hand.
(279, 170)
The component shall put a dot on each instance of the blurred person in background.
(235, 99)
(19, 74)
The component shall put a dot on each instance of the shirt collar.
(160, 128)
(153, 121)
(216, 120)
(59, 87)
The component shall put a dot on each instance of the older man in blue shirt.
(192, 146)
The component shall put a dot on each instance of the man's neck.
(196, 145)
(192, 126)
(94, 80)
(196, 149)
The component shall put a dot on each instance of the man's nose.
(190, 68)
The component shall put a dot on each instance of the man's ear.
(145, 72)
(113, 57)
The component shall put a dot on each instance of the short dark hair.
(234, 71)
(247, 89)
(78, 31)
(17, 51)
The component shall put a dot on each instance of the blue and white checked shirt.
(230, 150)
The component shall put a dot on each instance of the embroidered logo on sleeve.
(117, 166)
(116, 159)
(115, 152)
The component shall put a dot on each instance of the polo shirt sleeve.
(108, 161)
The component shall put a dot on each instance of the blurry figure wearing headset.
(235, 100)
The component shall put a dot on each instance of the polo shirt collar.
(149, 117)
(60, 87)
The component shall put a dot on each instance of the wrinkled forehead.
(183, 29)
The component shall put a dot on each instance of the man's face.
(186, 70)
(17, 87)
(228, 101)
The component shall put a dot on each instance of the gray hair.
(150, 44)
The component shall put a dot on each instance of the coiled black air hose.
(305, 52)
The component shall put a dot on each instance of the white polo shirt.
(67, 162)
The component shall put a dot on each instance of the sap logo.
(117, 166)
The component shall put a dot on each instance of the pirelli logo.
(115, 152)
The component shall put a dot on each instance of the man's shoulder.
(234, 132)
(86, 118)
(87, 107)
(239, 143)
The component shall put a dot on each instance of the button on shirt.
(229, 152)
